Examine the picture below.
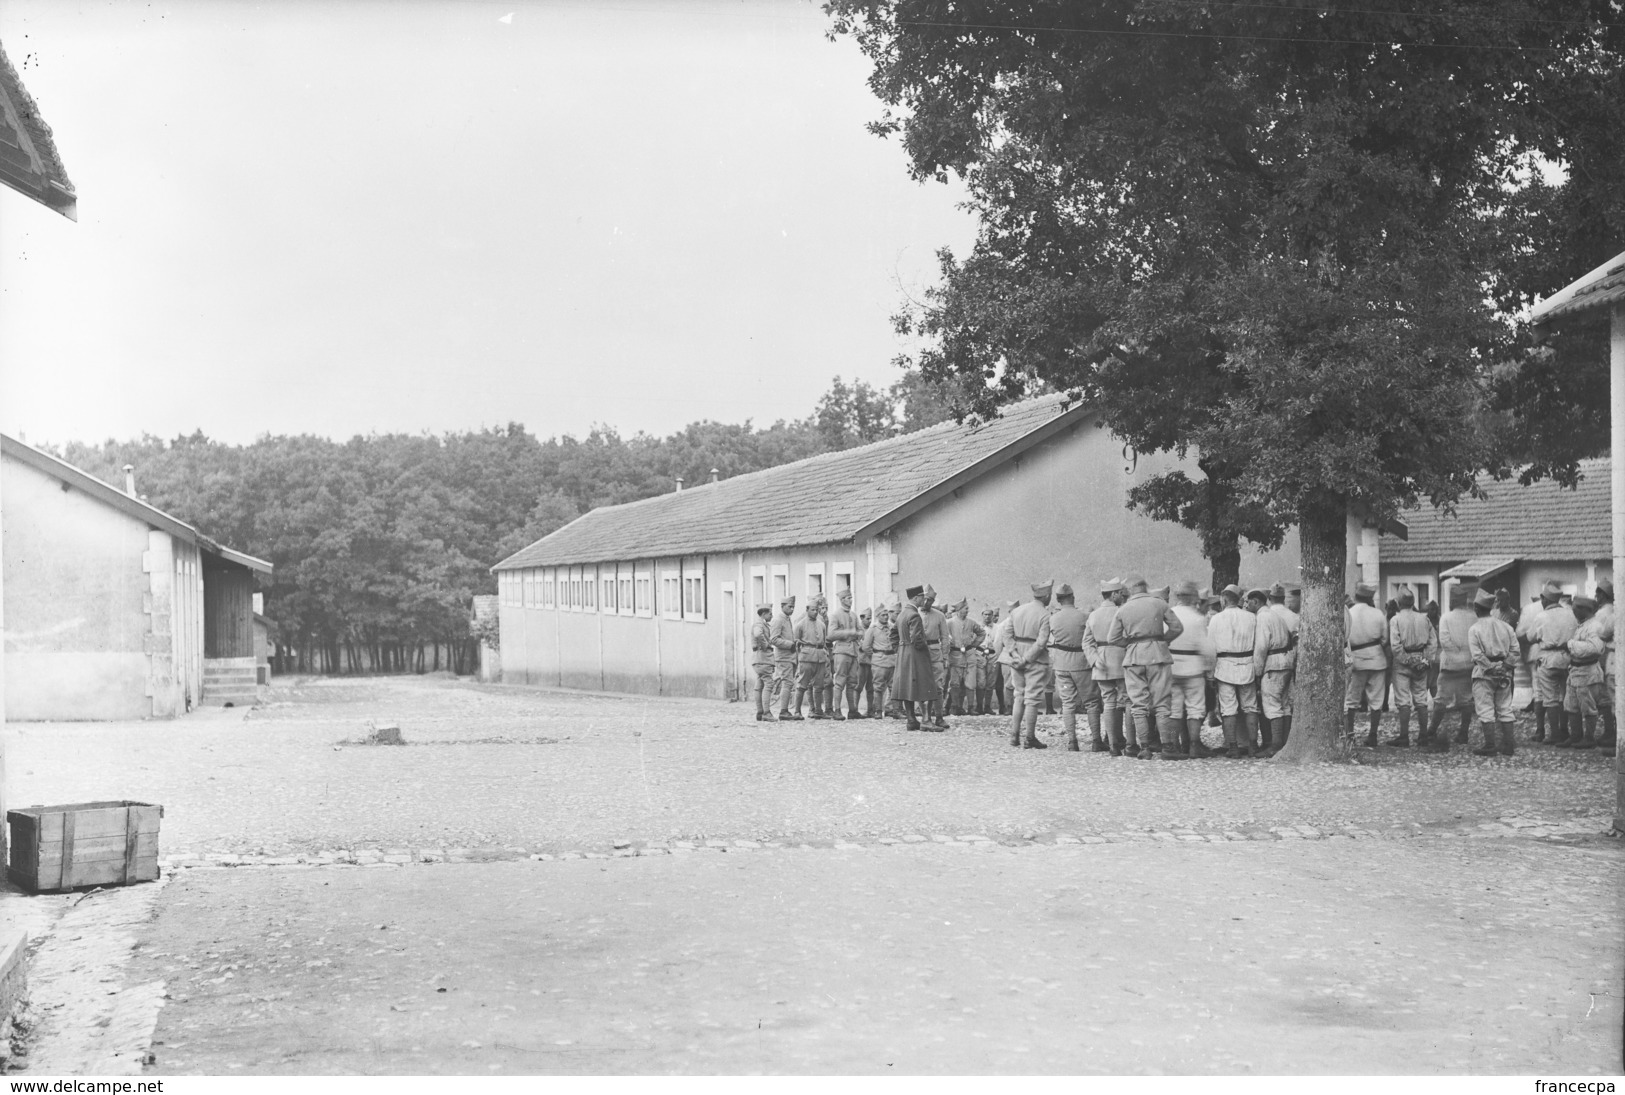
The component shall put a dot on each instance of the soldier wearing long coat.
(913, 682)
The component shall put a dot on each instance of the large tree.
(1270, 235)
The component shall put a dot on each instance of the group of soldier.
(1149, 668)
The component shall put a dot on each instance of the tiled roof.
(1603, 286)
(29, 162)
(1540, 521)
(823, 499)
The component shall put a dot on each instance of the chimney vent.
(129, 480)
(679, 482)
(714, 475)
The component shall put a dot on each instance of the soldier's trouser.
(1367, 684)
(1111, 692)
(1275, 693)
(1587, 698)
(957, 675)
(1455, 690)
(845, 682)
(939, 673)
(881, 675)
(1492, 702)
(1072, 685)
(1189, 698)
(866, 685)
(1238, 699)
(807, 681)
(1150, 690)
(1550, 684)
(1410, 686)
(1015, 679)
(784, 683)
(763, 688)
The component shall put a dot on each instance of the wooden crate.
(85, 844)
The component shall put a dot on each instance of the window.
(781, 583)
(671, 595)
(758, 587)
(643, 593)
(530, 588)
(815, 580)
(589, 588)
(624, 577)
(549, 594)
(693, 595)
(607, 599)
(843, 577)
(1420, 586)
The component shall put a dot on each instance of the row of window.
(619, 589)
(775, 579)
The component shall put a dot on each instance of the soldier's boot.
(800, 695)
(937, 720)
(1193, 731)
(1286, 730)
(1466, 723)
(913, 723)
(1277, 737)
(1097, 743)
(1430, 739)
(1168, 730)
(1376, 724)
(1427, 725)
(785, 693)
(1069, 728)
(1610, 736)
(1249, 727)
(1558, 727)
(1150, 735)
(1348, 727)
(1232, 748)
(1125, 719)
(1587, 738)
(1540, 722)
(1049, 703)
(1112, 728)
(1488, 749)
(1404, 739)
(1030, 720)
(1145, 730)
(1017, 715)
(1508, 747)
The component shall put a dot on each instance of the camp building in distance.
(659, 595)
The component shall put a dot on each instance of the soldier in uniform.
(1106, 668)
(935, 624)
(844, 634)
(1069, 661)
(761, 662)
(812, 657)
(1551, 633)
(1283, 607)
(913, 682)
(1367, 651)
(1605, 614)
(1454, 689)
(1145, 625)
(880, 641)
(1415, 647)
(991, 685)
(962, 636)
(1280, 626)
(866, 677)
(1587, 686)
(1004, 653)
(1029, 666)
(1494, 648)
(783, 637)
(1241, 654)
(1192, 666)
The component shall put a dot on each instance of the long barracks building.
(658, 596)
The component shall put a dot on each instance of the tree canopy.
(1282, 237)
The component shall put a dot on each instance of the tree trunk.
(1227, 564)
(1317, 722)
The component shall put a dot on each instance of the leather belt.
(1364, 645)
(1235, 653)
(1068, 649)
(1415, 649)
(1177, 650)
(1274, 650)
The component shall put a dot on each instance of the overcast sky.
(347, 217)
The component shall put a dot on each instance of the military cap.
(1112, 585)
(1277, 592)
(1365, 589)
(1259, 593)
(790, 600)
(1187, 588)
(1484, 599)
(1232, 590)
(1012, 604)
(1063, 590)
(1135, 583)
(913, 591)
(1161, 593)
(963, 602)
(764, 610)
(1605, 590)
(1458, 596)
(1406, 597)
(1042, 589)
(1551, 588)
(1582, 601)
(929, 591)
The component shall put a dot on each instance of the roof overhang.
(1476, 570)
(1059, 424)
(29, 163)
(1603, 286)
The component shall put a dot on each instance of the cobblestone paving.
(1412, 957)
(501, 772)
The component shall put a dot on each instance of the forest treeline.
(380, 542)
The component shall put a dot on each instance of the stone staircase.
(229, 681)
